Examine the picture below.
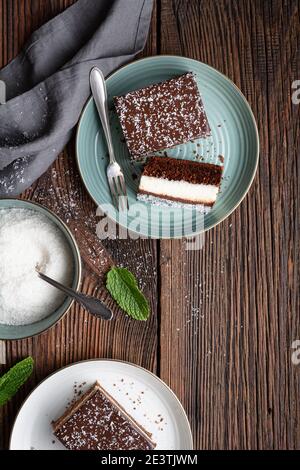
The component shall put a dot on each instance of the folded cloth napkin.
(47, 85)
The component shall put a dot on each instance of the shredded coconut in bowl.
(29, 239)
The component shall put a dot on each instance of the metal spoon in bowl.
(91, 304)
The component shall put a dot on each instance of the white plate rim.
(120, 361)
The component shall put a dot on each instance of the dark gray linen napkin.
(47, 84)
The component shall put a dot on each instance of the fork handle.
(99, 91)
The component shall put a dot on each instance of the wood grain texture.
(224, 318)
(230, 312)
(79, 335)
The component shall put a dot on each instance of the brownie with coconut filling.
(180, 183)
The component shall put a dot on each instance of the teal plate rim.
(251, 115)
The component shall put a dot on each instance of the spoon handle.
(91, 304)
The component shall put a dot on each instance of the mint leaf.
(123, 288)
(14, 379)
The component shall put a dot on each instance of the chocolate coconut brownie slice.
(97, 422)
(161, 116)
(180, 183)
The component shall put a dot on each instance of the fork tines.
(118, 191)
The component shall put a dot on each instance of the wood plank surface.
(224, 317)
(79, 335)
(231, 311)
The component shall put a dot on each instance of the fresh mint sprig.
(14, 379)
(123, 288)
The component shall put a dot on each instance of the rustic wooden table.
(224, 318)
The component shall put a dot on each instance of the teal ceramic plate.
(12, 332)
(234, 137)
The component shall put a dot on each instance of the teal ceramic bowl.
(234, 138)
(9, 332)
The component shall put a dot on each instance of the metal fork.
(115, 175)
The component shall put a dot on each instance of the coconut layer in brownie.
(181, 181)
(161, 116)
(97, 422)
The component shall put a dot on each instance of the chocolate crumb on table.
(162, 115)
(97, 422)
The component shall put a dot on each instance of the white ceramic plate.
(141, 393)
